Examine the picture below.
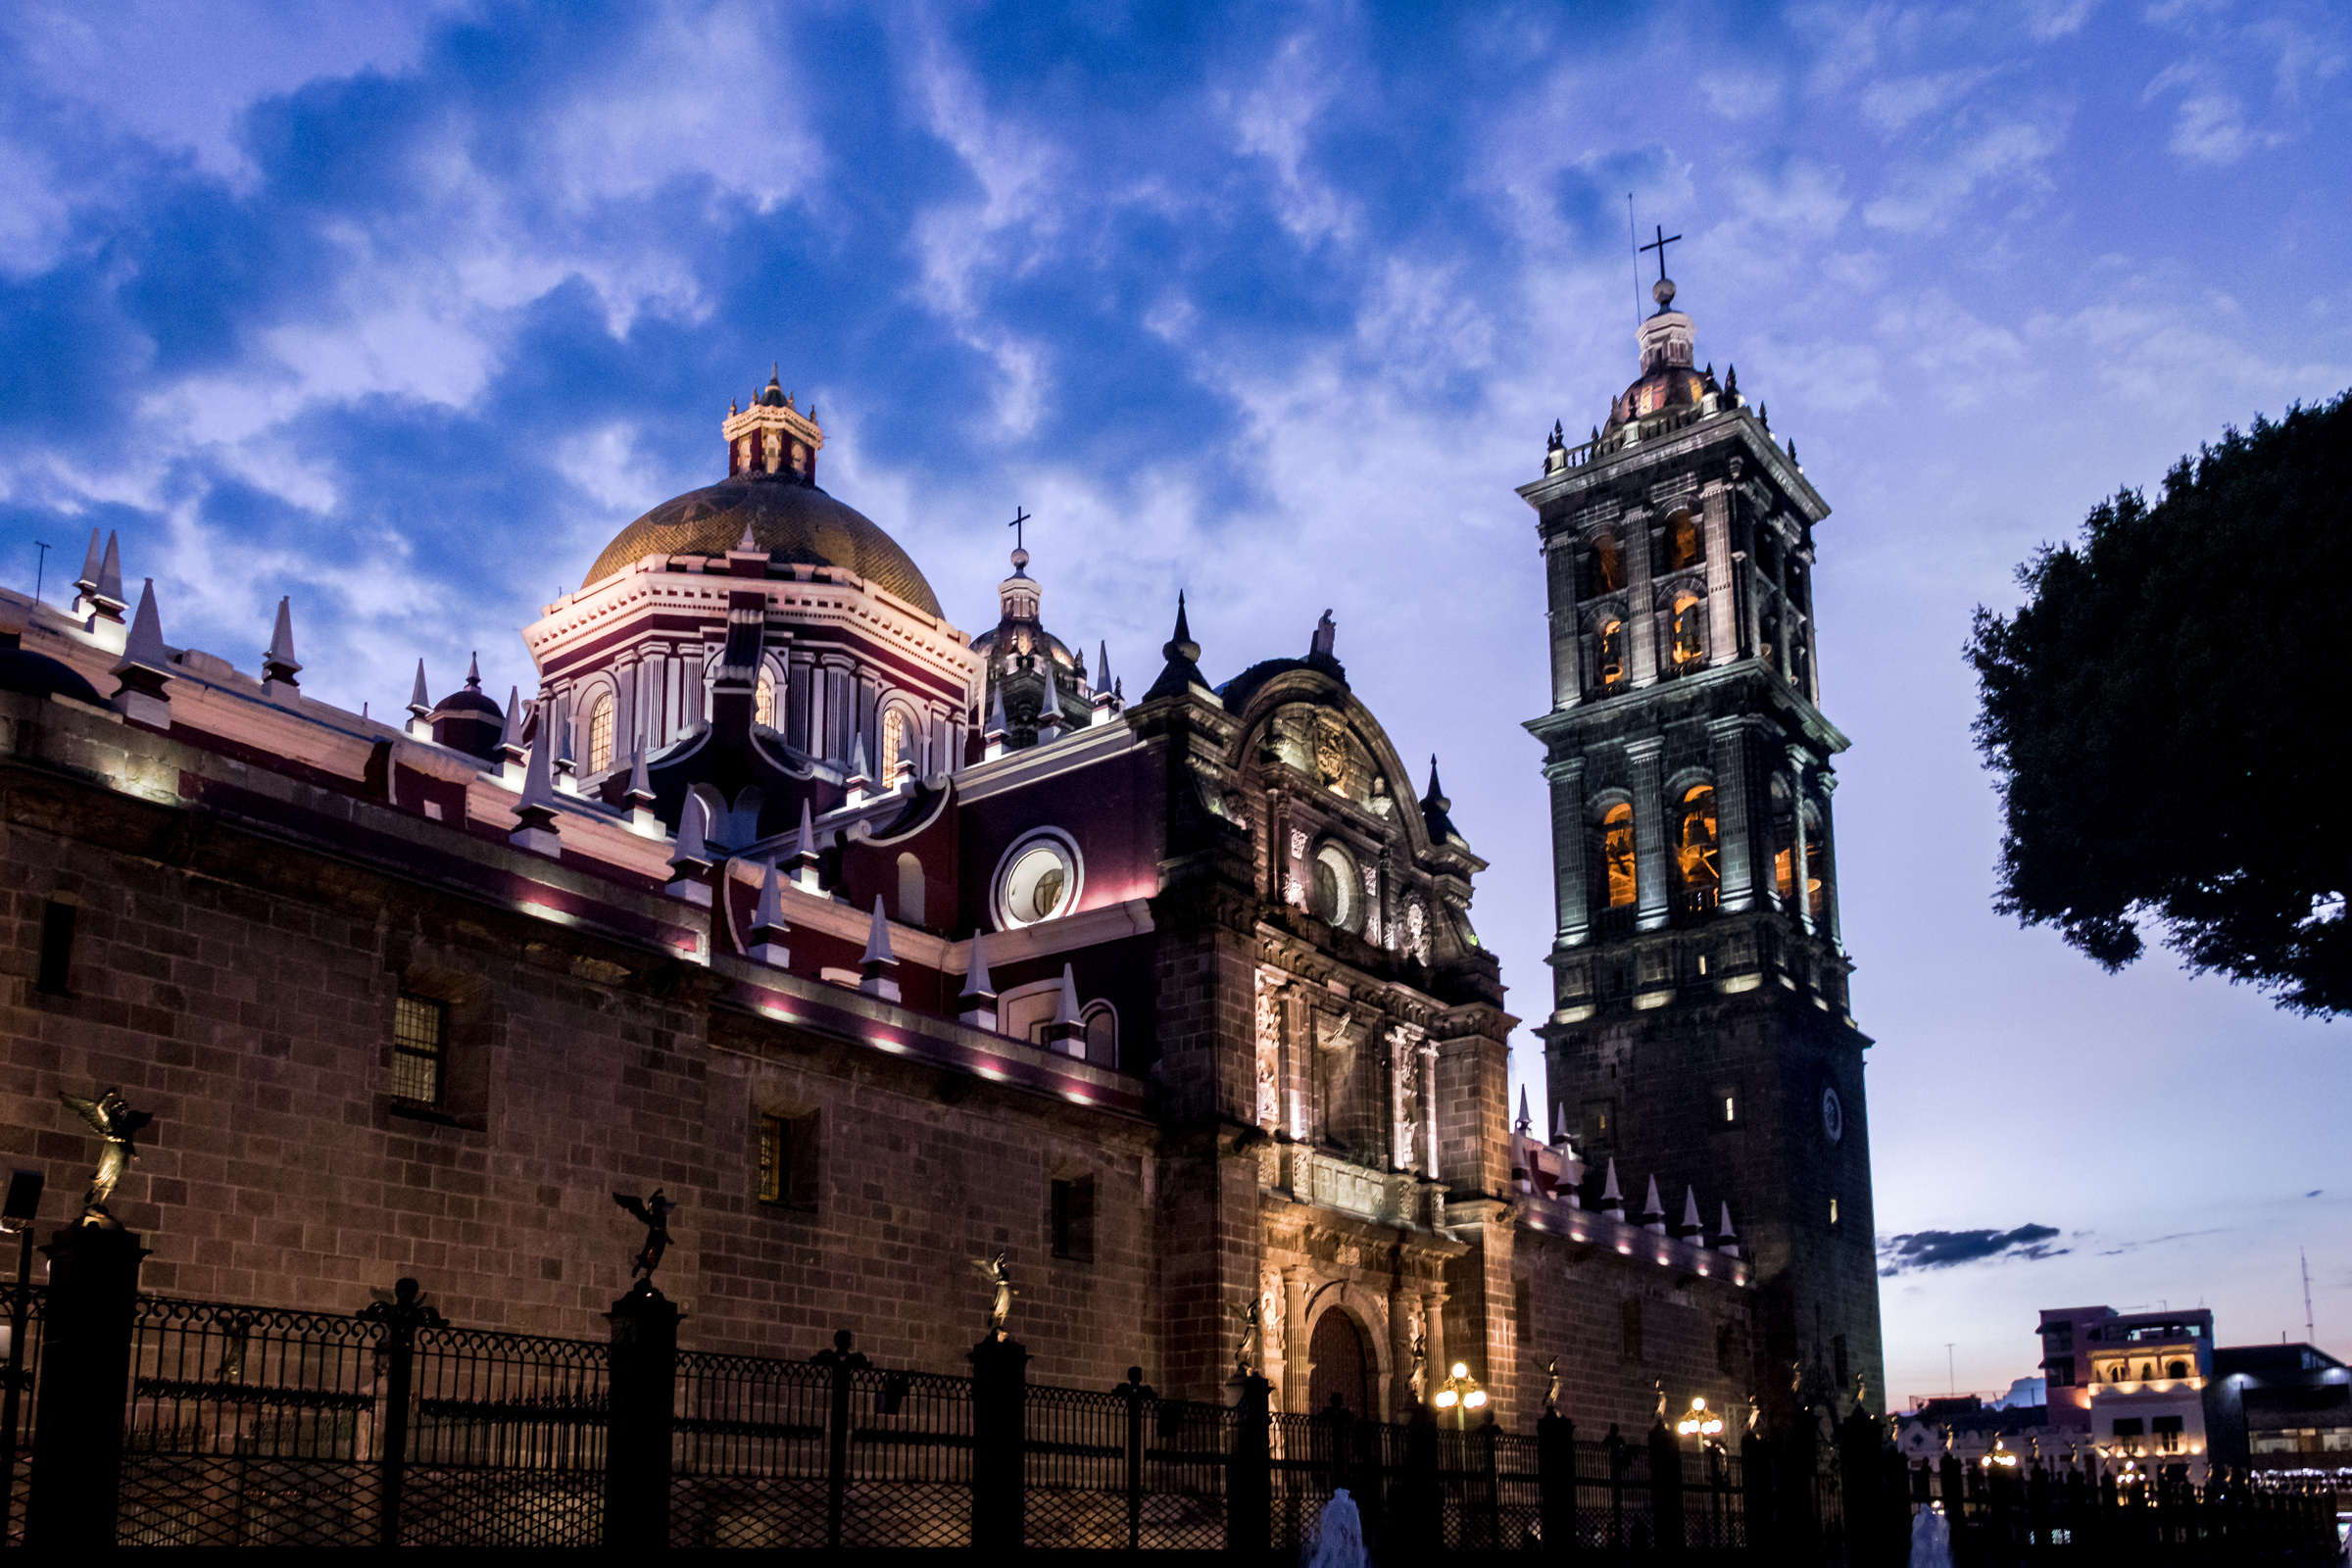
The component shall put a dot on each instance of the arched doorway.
(1338, 1364)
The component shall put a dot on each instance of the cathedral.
(880, 946)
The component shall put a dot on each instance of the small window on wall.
(2166, 1429)
(787, 1147)
(599, 735)
(2128, 1425)
(1723, 1107)
(1102, 1035)
(1072, 1217)
(911, 889)
(1037, 880)
(2060, 1370)
(1600, 1125)
(763, 702)
(420, 1048)
(58, 917)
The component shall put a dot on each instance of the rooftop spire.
(1694, 1229)
(280, 662)
(474, 672)
(1182, 669)
(878, 957)
(1435, 800)
(1653, 1212)
(145, 665)
(767, 922)
(977, 982)
(1525, 1126)
(536, 816)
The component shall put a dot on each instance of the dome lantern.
(773, 437)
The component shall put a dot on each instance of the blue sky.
(405, 310)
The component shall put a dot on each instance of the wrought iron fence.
(20, 1380)
(246, 1425)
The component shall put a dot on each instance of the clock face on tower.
(1832, 1113)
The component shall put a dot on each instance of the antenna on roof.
(2311, 1335)
(1632, 238)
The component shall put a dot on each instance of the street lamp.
(1460, 1393)
(1699, 1422)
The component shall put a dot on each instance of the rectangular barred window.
(420, 1048)
(787, 1161)
(1071, 1218)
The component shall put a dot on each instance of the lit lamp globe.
(1699, 1422)
(1461, 1394)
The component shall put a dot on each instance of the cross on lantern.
(1659, 245)
(1019, 517)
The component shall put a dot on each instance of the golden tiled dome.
(792, 521)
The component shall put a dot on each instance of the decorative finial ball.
(1663, 292)
(1021, 558)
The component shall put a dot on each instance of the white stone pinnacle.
(976, 979)
(1691, 1219)
(280, 656)
(877, 941)
(145, 647)
(770, 917)
(691, 850)
(1066, 1001)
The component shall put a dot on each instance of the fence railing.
(240, 1425)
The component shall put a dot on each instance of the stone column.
(1571, 897)
(1404, 1301)
(1723, 624)
(1733, 813)
(1649, 830)
(1429, 1105)
(1297, 1364)
(1641, 615)
(1567, 645)
(1826, 782)
(1433, 1319)
(1800, 788)
(1297, 1064)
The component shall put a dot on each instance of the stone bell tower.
(1699, 1029)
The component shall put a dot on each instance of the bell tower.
(1699, 1029)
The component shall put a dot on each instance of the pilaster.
(1649, 830)
(1641, 618)
(1571, 899)
(1734, 812)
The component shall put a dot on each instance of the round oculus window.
(1832, 1113)
(1038, 883)
(1335, 899)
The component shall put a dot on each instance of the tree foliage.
(2167, 716)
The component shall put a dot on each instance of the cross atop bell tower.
(773, 436)
(1700, 1026)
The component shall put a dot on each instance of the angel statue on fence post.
(653, 1214)
(1551, 1386)
(995, 1271)
(1253, 1334)
(117, 1124)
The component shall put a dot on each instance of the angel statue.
(653, 1214)
(1420, 1377)
(1660, 1385)
(1551, 1384)
(995, 1271)
(1253, 1334)
(117, 1124)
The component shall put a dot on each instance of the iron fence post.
(1250, 1475)
(1756, 1493)
(10, 1400)
(1555, 1482)
(840, 1361)
(402, 1316)
(1135, 1393)
(85, 1384)
(1491, 1504)
(640, 1400)
(1420, 1511)
(999, 1397)
(1665, 1490)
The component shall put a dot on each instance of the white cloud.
(1926, 192)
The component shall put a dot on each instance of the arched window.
(911, 890)
(894, 743)
(1607, 567)
(1101, 1021)
(1768, 556)
(1768, 638)
(1682, 548)
(600, 734)
(1690, 629)
(1698, 871)
(2175, 1369)
(1817, 872)
(1783, 843)
(1608, 656)
(763, 704)
(1617, 857)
